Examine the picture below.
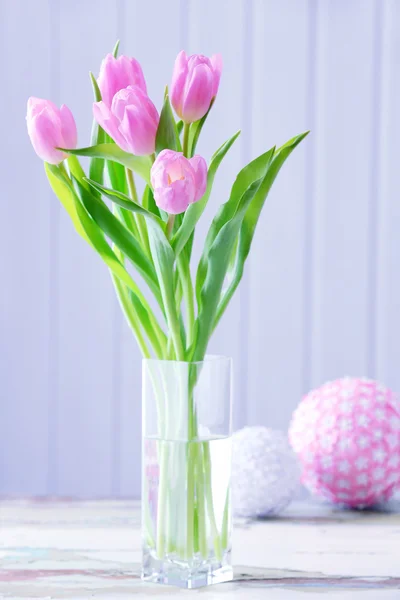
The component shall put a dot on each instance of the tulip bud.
(117, 74)
(195, 82)
(49, 128)
(132, 120)
(178, 181)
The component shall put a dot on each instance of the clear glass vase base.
(169, 572)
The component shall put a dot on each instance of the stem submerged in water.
(185, 494)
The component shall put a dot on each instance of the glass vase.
(186, 466)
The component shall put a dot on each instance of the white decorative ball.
(347, 436)
(265, 472)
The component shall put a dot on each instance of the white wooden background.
(321, 296)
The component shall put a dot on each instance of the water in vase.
(187, 513)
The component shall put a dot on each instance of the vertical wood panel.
(156, 48)
(344, 121)
(25, 253)
(86, 296)
(320, 297)
(280, 110)
(388, 299)
(224, 33)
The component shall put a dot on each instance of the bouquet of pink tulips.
(154, 234)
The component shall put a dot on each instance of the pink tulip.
(49, 128)
(195, 82)
(178, 181)
(117, 74)
(131, 121)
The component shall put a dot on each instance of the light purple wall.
(320, 298)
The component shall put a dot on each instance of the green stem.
(185, 146)
(210, 500)
(178, 292)
(128, 218)
(201, 508)
(153, 330)
(226, 521)
(140, 220)
(132, 320)
(162, 497)
(170, 225)
(190, 501)
(191, 463)
(131, 185)
(63, 170)
(187, 288)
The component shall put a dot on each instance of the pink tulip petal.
(117, 74)
(120, 101)
(164, 198)
(131, 73)
(173, 178)
(198, 59)
(159, 171)
(45, 137)
(107, 79)
(50, 128)
(69, 133)
(36, 105)
(168, 155)
(174, 199)
(178, 82)
(150, 109)
(133, 96)
(197, 94)
(195, 82)
(216, 61)
(109, 123)
(139, 131)
(200, 172)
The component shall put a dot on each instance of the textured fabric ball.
(347, 435)
(265, 472)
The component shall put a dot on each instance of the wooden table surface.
(86, 550)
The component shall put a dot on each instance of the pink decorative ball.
(347, 436)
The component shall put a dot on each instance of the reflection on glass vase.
(186, 510)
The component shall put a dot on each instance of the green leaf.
(194, 212)
(137, 316)
(179, 126)
(59, 185)
(163, 258)
(293, 142)
(148, 201)
(96, 167)
(167, 133)
(117, 177)
(195, 130)
(96, 89)
(76, 170)
(251, 219)
(116, 173)
(115, 50)
(86, 227)
(127, 301)
(218, 262)
(91, 233)
(140, 164)
(254, 171)
(120, 235)
(126, 202)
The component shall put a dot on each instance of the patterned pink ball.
(347, 436)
